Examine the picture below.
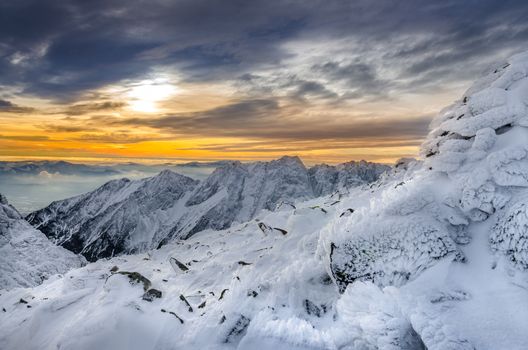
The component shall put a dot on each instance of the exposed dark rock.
(114, 269)
(284, 232)
(222, 294)
(136, 277)
(347, 212)
(238, 330)
(311, 308)
(318, 207)
(173, 314)
(178, 317)
(176, 263)
(243, 263)
(265, 228)
(202, 305)
(182, 298)
(152, 294)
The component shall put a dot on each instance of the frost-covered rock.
(476, 159)
(391, 251)
(509, 236)
(27, 257)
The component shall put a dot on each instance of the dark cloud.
(360, 78)
(288, 146)
(236, 116)
(26, 138)
(60, 48)
(10, 107)
(66, 128)
(85, 108)
(266, 119)
(118, 138)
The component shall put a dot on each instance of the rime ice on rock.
(475, 162)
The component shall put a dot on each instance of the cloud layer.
(293, 71)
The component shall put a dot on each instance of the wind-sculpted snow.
(27, 258)
(391, 251)
(126, 216)
(476, 159)
(509, 236)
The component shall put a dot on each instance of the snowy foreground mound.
(27, 257)
(431, 256)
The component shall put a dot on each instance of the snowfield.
(433, 255)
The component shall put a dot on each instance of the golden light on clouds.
(161, 119)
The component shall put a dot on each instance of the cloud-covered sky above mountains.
(200, 79)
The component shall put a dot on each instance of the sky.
(330, 81)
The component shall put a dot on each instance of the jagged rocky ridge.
(27, 257)
(441, 267)
(126, 216)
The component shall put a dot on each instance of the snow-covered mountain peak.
(169, 180)
(7, 211)
(291, 161)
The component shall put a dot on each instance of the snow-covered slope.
(431, 256)
(122, 216)
(26, 257)
(133, 216)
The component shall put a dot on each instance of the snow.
(27, 257)
(432, 255)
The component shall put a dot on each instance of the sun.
(145, 95)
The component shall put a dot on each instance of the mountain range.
(125, 216)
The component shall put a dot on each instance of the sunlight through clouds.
(145, 95)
